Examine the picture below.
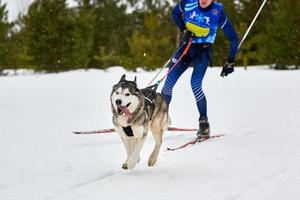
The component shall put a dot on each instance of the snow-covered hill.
(259, 158)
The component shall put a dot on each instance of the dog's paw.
(151, 161)
(131, 163)
(124, 166)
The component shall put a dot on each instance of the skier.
(201, 20)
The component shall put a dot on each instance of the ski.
(111, 130)
(194, 141)
(181, 129)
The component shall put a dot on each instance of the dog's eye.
(127, 94)
(117, 93)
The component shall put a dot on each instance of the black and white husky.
(134, 111)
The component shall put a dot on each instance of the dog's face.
(125, 96)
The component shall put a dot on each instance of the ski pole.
(252, 23)
(168, 61)
(179, 59)
(166, 64)
(155, 86)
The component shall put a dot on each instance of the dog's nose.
(119, 102)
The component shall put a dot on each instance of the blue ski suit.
(204, 23)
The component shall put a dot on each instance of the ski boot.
(204, 130)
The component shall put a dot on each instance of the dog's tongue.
(126, 111)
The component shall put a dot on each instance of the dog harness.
(149, 96)
(149, 99)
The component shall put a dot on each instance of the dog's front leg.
(135, 155)
(128, 144)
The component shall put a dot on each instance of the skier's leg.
(174, 75)
(201, 63)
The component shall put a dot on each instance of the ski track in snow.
(258, 158)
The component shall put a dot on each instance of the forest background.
(53, 37)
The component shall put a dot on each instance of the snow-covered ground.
(258, 159)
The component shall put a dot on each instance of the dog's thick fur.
(154, 117)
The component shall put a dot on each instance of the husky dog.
(134, 111)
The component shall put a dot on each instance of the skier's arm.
(177, 15)
(231, 34)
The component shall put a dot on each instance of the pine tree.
(85, 20)
(112, 28)
(249, 52)
(152, 45)
(4, 37)
(50, 28)
(281, 37)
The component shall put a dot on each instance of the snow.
(258, 158)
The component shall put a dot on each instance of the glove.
(185, 36)
(227, 69)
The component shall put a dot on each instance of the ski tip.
(217, 135)
(75, 132)
(170, 149)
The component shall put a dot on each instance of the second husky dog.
(134, 111)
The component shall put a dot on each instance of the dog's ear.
(134, 79)
(123, 78)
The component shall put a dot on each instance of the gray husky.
(134, 111)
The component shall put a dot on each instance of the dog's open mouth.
(125, 110)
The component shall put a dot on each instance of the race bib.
(197, 30)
